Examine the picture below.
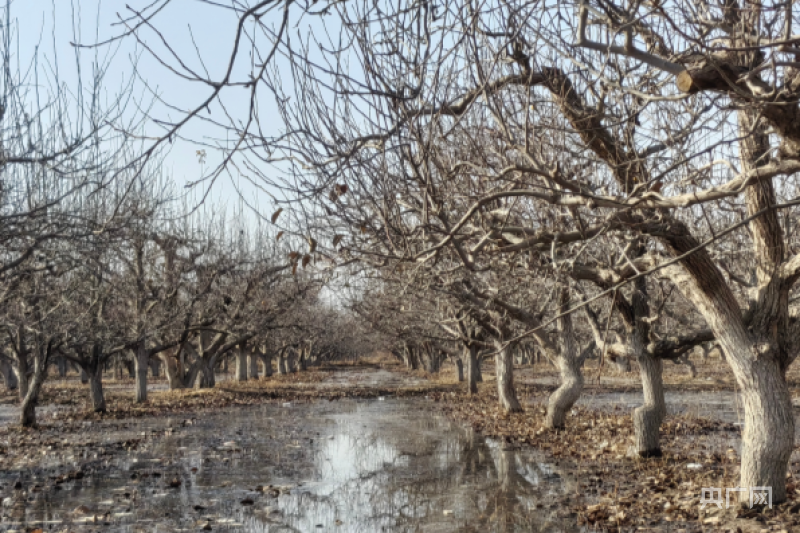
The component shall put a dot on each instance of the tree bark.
(173, 369)
(28, 406)
(569, 364)
(253, 360)
(768, 436)
(9, 377)
(268, 364)
(460, 370)
(648, 417)
(505, 379)
(282, 363)
(565, 396)
(21, 370)
(141, 360)
(241, 364)
(205, 378)
(96, 390)
(155, 367)
(473, 369)
(61, 364)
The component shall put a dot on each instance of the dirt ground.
(613, 491)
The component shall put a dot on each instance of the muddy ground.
(371, 447)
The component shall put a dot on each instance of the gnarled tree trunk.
(505, 379)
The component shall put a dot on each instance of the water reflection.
(343, 466)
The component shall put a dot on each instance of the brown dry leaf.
(363, 228)
(293, 256)
(276, 214)
(337, 239)
(312, 245)
(278, 236)
(340, 189)
(306, 260)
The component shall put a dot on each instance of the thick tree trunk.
(281, 363)
(768, 436)
(648, 417)
(565, 396)
(96, 390)
(241, 365)
(268, 365)
(205, 378)
(253, 360)
(473, 369)
(505, 379)
(460, 370)
(141, 359)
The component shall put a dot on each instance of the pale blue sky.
(193, 29)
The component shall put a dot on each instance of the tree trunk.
(281, 363)
(28, 407)
(96, 390)
(253, 360)
(505, 379)
(460, 370)
(268, 365)
(569, 364)
(565, 396)
(61, 364)
(768, 436)
(21, 370)
(301, 361)
(648, 417)
(205, 378)
(473, 369)
(155, 367)
(9, 377)
(241, 365)
(141, 360)
(173, 370)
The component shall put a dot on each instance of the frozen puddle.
(393, 465)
